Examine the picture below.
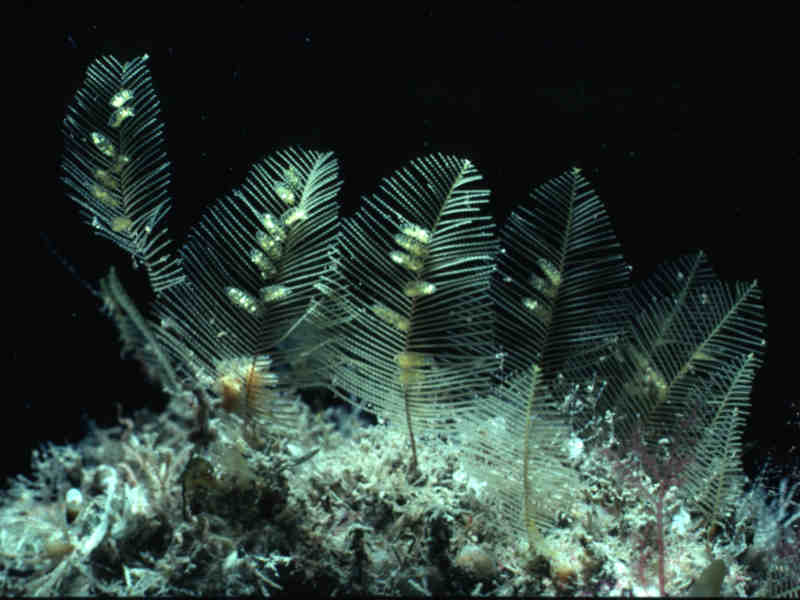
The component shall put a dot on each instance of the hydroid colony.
(520, 349)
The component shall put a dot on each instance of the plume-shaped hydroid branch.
(682, 371)
(686, 327)
(115, 166)
(559, 267)
(414, 345)
(251, 266)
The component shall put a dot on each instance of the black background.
(687, 133)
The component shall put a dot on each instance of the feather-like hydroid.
(414, 341)
(558, 270)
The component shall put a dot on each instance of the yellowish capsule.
(415, 247)
(412, 263)
(106, 178)
(294, 215)
(292, 177)
(408, 377)
(103, 195)
(550, 270)
(285, 193)
(412, 360)
(542, 285)
(121, 224)
(392, 317)
(119, 115)
(269, 244)
(418, 233)
(120, 98)
(103, 144)
(273, 226)
(272, 293)
(538, 309)
(263, 263)
(119, 164)
(414, 289)
(243, 300)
